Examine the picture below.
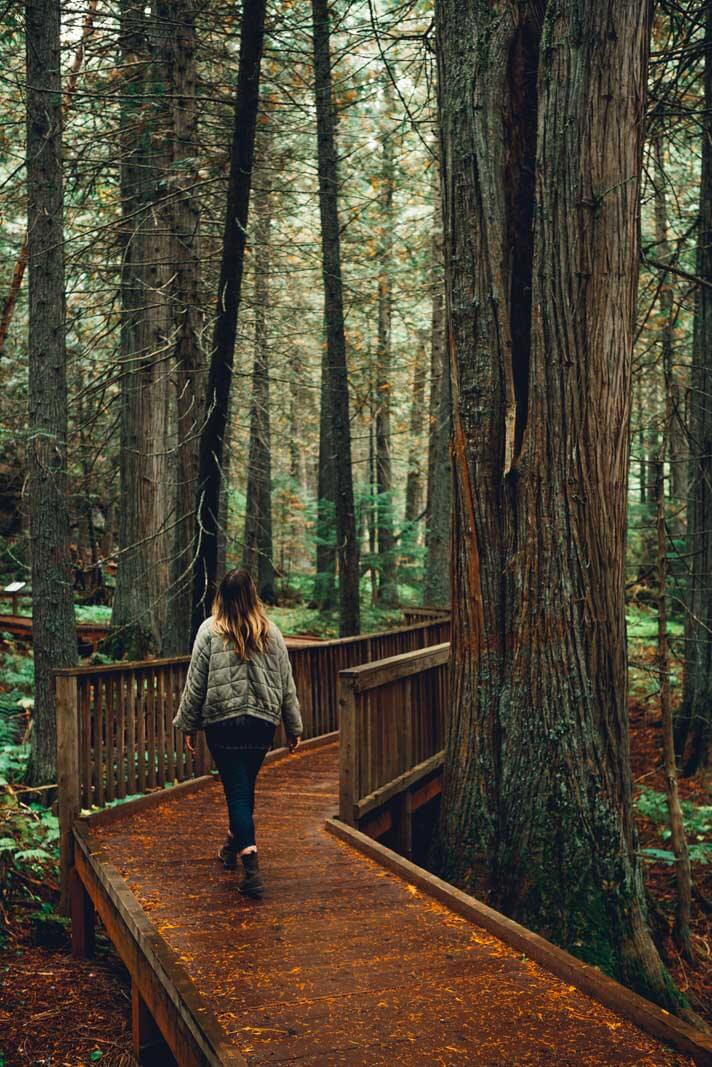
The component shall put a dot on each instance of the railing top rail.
(148, 664)
(119, 665)
(391, 669)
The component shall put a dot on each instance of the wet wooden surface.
(342, 962)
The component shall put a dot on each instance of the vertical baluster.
(161, 725)
(109, 735)
(130, 700)
(151, 727)
(84, 726)
(171, 770)
(141, 730)
(120, 715)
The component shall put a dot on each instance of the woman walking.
(239, 685)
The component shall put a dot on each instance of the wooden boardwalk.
(343, 962)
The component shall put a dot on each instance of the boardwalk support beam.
(68, 781)
(149, 1046)
(83, 917)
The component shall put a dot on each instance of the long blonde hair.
(239, 614)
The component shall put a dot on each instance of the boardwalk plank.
(343, 962)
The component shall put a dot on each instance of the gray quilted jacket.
(220, 684)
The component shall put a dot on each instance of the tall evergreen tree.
(543, 170)
(258, 550)
(337, 372)
(242, 150)
(54, 635)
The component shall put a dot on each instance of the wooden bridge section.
(355, 955)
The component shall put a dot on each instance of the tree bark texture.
(436, 586)
(179, 62)
(694, 728)
(541, 113)
(258, 549)
(142, 578)
(54, 635)
(338, 389)
(223, 348)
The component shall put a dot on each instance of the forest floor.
(56, 1011)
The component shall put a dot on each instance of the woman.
(238, 687)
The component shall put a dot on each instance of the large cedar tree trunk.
(54, 636)
(142, 578)
(338, 384)
(242, 151)
(258, 551)
(541, 283)
(694, 728)
(187, 323)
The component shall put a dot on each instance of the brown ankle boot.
(252, 884)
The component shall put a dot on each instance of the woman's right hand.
(294, 743)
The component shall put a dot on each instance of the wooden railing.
(392, 736)
(114, 723)
(412, 614)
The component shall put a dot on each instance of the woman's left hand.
(190, 743)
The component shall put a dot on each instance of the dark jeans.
(239, 746)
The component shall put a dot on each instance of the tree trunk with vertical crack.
(210, 474)
(541, 283)
(337, 372)
(53, 629)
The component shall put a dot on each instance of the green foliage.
(642, 625)
(697, 820)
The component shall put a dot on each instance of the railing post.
(68, 783)
(348, 749)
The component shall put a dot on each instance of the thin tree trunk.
(258, 550)
(414, 482)
(640, 436)
(54, 635)
(338, 391)
(229, 289)
(21, 262)
(678, 839)
(387, 576)
(541, 410)
(372, 510)
(436, 586)
(187, 320)
(325, 580)
(694, 727)
(224, 512)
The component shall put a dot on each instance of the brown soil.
(57, 1011)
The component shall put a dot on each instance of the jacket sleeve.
(290, 704)
(190, 710)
